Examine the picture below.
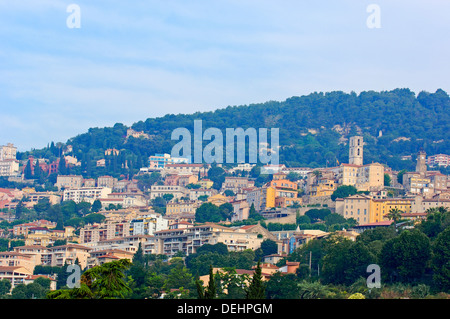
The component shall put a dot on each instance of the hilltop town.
(172, 207)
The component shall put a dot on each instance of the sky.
(127, 61)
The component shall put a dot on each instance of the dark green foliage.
(318, 214)
(209, 212)
(395, 113)
(256, 290)
(441, 260)
(344, 191)
(405, 257)
(28, 173)
(345, 262)
(282, 286)
(219, 248)
(269, 247)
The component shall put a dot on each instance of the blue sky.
(132, 60)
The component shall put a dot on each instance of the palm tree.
(394, 214)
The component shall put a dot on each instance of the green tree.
(229, 192)
(96, 206)
(208, 212)
(437, 220)
(28, 173)
(312, 290)
(394, 214)
(62, 166)
(344, 191)
(387, 180)
(5, 287)
(210, 292)
(269, 247)
(106, 281)
(441, 260)
(256, 289)
(333, 219)
(406, 256)
(38, 173)
(282, 286)
(318, 214)
(345, 262)
(217, 175)
(179, 277)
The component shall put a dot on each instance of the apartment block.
(34, 251)
(126, 243)
(236, 184)
(195, 193)
(99, 257)
(106, 181)
(8, 152)
(15, 259)
(69, 181)
(85, 194)
(148, 224)
(187, 240)
(104, 231)
(438, 160)
(160, 190)
(181, 207)
(60, 255)
(186, 169)
(9, 167)
(365, 209)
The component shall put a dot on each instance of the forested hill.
(314, 128)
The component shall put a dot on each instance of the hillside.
(314, 128)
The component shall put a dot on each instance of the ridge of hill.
(313, 129)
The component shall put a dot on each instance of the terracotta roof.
(382, 223)
(33, 277)
(110, 256)
(32, 246)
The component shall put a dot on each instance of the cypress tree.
(200, 290)
(62, 169)
(38, 173)
(210, 292)
(256, 290)
(28, 172)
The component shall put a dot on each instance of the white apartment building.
(9, 167)
(85, 194)
(148, 224)
(160, 190)
(7, 152)
(69, 181)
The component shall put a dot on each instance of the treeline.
(394, 124)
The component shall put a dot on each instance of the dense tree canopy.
(311, 130)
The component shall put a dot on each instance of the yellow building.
(218, 199)
(365, 209)
(182, 207)
(324, 187)
(380, 207)
(269, 196)
(205, 183)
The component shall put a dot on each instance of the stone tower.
(356, 150)
(421, 166)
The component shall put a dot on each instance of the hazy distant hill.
(313, 128)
